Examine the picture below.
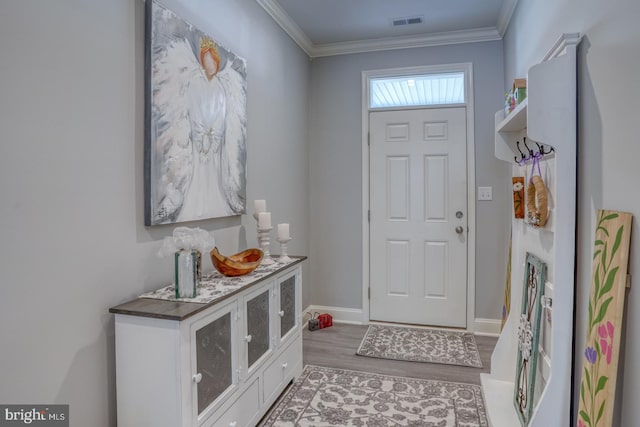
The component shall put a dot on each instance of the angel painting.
(196, 154)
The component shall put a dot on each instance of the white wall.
(608, 110)
(71, 165)
(336, 170)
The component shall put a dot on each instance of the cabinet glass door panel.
(214, 360)
(287, 305)
(258, 327)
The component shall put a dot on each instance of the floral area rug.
(420, 345)
(337, 397)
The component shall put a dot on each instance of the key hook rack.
(531, 154)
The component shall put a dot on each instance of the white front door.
(418, 229)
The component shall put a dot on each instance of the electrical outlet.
(485, 193)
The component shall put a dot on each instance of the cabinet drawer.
(282, 369)
(243, 410)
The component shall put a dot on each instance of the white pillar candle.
(260, 206)
(264, 220)
(283, 231)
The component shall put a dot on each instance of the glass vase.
(187, 273)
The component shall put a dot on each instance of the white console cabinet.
(223, 363)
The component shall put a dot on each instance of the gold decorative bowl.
(236, 265)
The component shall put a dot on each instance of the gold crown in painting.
(207, 44)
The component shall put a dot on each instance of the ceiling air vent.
(398, 22)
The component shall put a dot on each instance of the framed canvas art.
(535, 275)
(195, 141)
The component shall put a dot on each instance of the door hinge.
(369, 293)
(369, 215)
(369, 139)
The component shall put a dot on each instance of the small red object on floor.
(325, 320)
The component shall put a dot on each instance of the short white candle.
(264, 220)
(260, 206)
(283, 231)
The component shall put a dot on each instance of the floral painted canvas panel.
(604, 322)
(195, 142)
(535, 275)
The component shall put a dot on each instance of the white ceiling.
(331, 27)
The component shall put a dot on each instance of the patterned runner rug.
(338, 397)
(420, 345)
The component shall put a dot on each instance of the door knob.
(459, 214)
(459, 229)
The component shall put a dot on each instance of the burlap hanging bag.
(537, 199)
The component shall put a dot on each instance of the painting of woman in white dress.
(195, 156)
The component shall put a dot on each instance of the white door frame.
(467, 68)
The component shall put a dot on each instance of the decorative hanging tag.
(518, 196)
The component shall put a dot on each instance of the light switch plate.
(485, 193)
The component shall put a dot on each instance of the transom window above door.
(416, 90)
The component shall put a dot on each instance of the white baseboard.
(490, 327)
(339, 314)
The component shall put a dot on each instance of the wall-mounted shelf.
(516, 121)
(509, 130)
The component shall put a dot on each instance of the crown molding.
(559, 47)
(506, 13)
(359, 46)
(283, 19)
(389, 43)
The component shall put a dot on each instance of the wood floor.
(336, 347)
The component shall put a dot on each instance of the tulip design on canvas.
(606, 340)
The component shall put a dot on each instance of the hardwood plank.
(336, 347)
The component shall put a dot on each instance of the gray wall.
(71, 165)
(608, 110)
(336, 170)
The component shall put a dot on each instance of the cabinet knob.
(281, 313)
(248, 338)
(284, 365)
(197, 378)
